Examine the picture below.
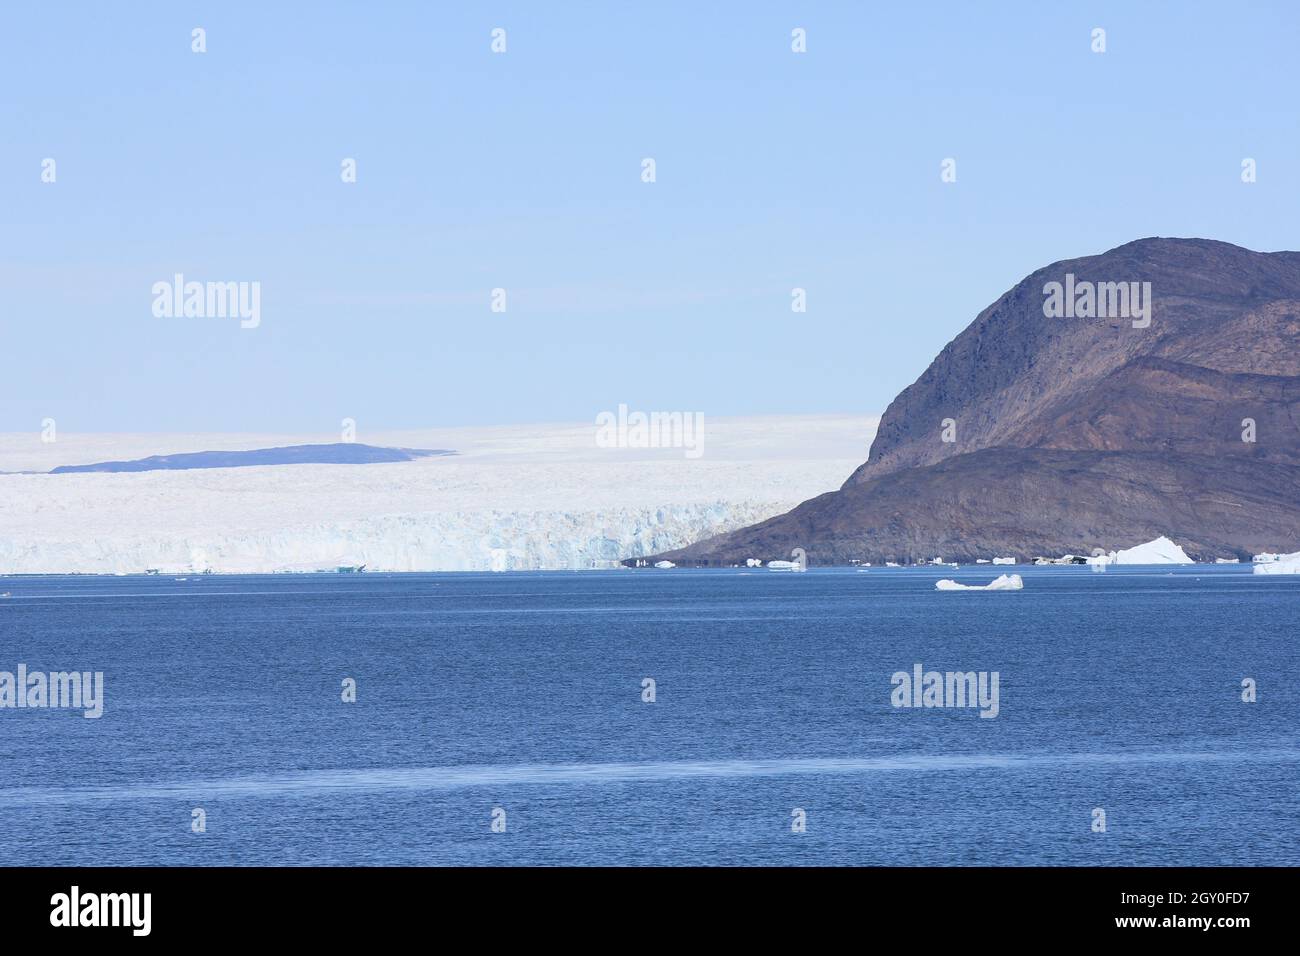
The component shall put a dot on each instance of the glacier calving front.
(517, 498)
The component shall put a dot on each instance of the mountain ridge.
(1021, 410)
(331, 453)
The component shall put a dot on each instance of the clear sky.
(522, 170)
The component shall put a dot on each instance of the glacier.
(512, 498)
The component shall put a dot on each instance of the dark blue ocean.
(521, 694)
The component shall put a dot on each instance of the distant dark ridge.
(338, 453)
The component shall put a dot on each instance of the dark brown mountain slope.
(1076, 433)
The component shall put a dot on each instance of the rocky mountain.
(1101, 402)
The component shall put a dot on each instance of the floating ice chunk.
(1285, 564)
(664, 564)
(1004, 560)
(785, 566)
(1159, 551)
(1003, 582)
(1265, 557)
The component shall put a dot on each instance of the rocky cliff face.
(1106, 426)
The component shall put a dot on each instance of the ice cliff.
(513, 499)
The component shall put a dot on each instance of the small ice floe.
(1265, 557)
(1227, 560)
(981, 560)
(785, 566)
(1004, 560)
(1003, 582)
(753, 563)
(664, 564)
(1285, 564)
(891, 564)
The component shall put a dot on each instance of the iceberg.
(664, 565)
(1284, 564)
(1004, 560)
(1159, 551)
(1003, 582)
(785, 566)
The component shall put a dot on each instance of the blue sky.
(522, 170)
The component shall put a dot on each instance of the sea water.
(1144, 716)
